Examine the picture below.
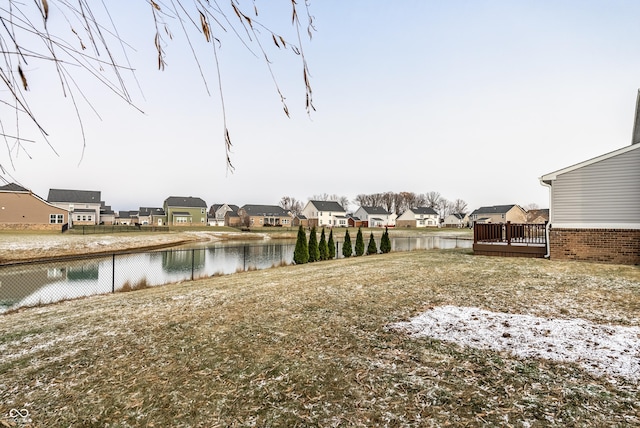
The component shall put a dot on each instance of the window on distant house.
(56, 218)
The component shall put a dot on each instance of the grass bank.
(310, 345)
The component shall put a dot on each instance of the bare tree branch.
(32, 36)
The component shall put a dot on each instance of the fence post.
(508, 232)
(193, 261)
(244, 257)
(113, 273)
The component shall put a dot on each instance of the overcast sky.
(472, 99)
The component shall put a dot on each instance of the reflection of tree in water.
(78, 273)
(183, 260)
(252, 255)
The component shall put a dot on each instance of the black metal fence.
(49, 281)
(115, 228)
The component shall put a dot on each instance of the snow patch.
(600, 349)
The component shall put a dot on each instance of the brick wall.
(619, 246)
(31, 226)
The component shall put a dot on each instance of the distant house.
(594, 210)
(375, 217)
(499, 214)
(185, 211)
(264, 216)
(458, 220)
(418, 217)
(232, 219)
(127, 218)
(353, 221)
(325, 213)
(22, 209)
(299, 220)
(84, 205)
(217, 213)
(107, 215)
(539, 216)
(153, 216)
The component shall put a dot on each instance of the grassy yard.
(311, 345)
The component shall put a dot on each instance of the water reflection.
(32, 284)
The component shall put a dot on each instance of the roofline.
(547, 178)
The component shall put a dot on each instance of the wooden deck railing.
(510, 233)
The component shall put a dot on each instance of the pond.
(41, 283)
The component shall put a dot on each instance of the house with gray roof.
(264, 216)
(83, 205)
(418, 217)
(152, 216)
(107, 215)
(499, 214)
(325, 214)
(185, 211)
(127, 217)
(217, 213)
(375, 217)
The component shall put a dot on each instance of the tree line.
(394, 202)
(312, 250)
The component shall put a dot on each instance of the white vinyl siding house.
(375, 216)
(418, 217)
(325, 214)
(603, 192)
(84, 205)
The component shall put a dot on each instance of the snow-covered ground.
(28, 246)
(610, 350)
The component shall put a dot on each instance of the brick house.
(22, 209)
(594, 209)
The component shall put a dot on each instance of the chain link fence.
(38, 283)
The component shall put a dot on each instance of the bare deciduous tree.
(291, 205)
(72, 37)
(343, 201)
(459, 206)
(433, 200)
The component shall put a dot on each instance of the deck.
(510, 240)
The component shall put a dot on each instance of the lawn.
(319, 345)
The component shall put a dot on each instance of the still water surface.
(32, 284)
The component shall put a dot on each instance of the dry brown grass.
(309, 345)
(140, 285)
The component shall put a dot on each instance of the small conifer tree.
(346, 246)
(322, 246)
(359, 243)
(385, 242)
(331, 246)
(301, 252)
(314, 253)
(372, 248)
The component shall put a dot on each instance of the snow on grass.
(600, 349)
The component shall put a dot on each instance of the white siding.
(602, 193)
